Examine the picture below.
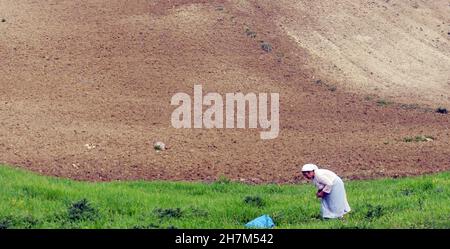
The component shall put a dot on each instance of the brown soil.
(103, 72)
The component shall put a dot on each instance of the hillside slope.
(396, 49)
(102, 73)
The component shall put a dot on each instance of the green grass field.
(31, 201)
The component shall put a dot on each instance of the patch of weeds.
(27, 222)
(409, 106)
(374, 212)
(267, 47)
(383, 102)
(442, 110)
(6, 223)
(153, 226)
(150, 226)
(427, 186)
(59, 218)
(197, 212)
(332, 88)
(418, 139)
(23, 222)
(168, 213)
(250, 33)
(254, 201)
(172, 227)
(408, 139)
(82, 210)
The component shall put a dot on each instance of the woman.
(331, 190)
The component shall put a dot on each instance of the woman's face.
(308, 174)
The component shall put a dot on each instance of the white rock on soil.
(159, 146)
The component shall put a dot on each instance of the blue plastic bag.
(261, 222)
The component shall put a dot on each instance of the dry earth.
(102, 73)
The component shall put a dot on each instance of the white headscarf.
(309, 167)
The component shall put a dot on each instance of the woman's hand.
(320, 194)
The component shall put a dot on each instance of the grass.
(254, 201)
(418, 139)
(250, 33)
(383, 102)
(410, 106)
(332, 88)
(267, 47)
(31, 201)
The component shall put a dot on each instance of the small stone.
(159, 146)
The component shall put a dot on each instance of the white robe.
(334, 204)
